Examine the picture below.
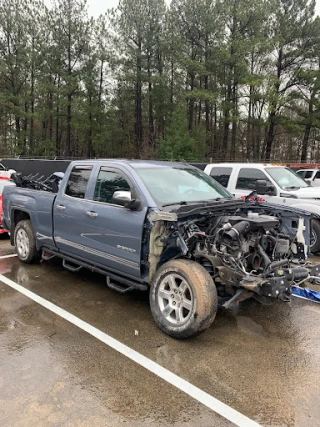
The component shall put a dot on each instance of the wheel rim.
(175, 299)
(313, 238)
(22, 243)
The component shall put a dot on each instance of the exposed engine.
(249, 255)
(250, 250)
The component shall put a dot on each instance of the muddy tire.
(183, 299)
(25, 242)
(315, 236)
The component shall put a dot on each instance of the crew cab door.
(69, 211)
(90, 226)
(111, 231)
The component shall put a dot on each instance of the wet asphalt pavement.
(264, 362)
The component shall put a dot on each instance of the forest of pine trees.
(195, 80)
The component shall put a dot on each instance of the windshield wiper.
(175, 203)
(196, 202)
(293, 187)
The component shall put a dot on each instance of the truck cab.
(312, 176)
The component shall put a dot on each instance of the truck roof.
(136, 163)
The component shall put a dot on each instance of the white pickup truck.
(310, 175)
(276, 184)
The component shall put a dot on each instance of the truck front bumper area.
(278, 286)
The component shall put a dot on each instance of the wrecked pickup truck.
(167, 227)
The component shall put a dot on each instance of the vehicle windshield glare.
(286, 178)
(170, 185)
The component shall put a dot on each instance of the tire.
(315, 236)
(25, 242)
(183, 299)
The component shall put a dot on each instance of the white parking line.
(211, 402)
(7, 256)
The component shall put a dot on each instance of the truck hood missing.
(250, 249)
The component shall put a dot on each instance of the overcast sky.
(96, 7)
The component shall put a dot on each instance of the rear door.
(69, 211)
(112, 234)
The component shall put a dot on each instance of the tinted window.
(302, 174)
(308, 174)
(221, 175)
(247, 178)
(78, 181)
(317, 175)
(108, 182)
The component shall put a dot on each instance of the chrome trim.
(96, 252)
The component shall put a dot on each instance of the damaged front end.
(251, 250)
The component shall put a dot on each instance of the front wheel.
(315, 236)
(25, 242)
(183, 299)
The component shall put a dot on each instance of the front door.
(112, 232)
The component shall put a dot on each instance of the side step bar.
(128, 284)
(71, 267)
(114, 281)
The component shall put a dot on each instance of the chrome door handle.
(92, 214)
(60, 207)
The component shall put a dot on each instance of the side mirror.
(123, 198)
(261, 186)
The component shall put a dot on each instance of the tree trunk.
(270, 135)
(191, 104)
(68, 142)
(234, 122)
(138, 124)
(151, 120)
(58, 140)
(272, 115)
(305, 142)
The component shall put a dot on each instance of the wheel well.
(19, 216)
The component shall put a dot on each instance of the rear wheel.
(315, 236)
(183, 299)
(25, 242)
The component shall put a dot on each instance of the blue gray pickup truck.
(168, 228)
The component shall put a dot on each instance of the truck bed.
(36, 203)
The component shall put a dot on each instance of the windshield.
(286, 178)
(4, 183)
(170, 185)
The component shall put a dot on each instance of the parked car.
(4, 181)
(167, 227)
(276, 184)
(310, 175)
